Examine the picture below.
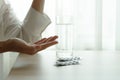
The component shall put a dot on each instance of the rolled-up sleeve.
(34, 24)
(29, 30)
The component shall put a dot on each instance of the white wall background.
(81, 24)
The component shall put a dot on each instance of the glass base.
(64, 53)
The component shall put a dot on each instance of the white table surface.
(94, 65)
(7, 60)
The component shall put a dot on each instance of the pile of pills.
(64, 61)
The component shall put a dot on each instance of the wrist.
(38, 5)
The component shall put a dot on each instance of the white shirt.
(31, 28)
(10, 27)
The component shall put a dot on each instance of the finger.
(49, 39)
(42, 40)
(46, 45)
(45, 40)
(52, 39)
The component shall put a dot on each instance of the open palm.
(18, 45)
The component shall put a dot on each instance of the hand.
(18, 45)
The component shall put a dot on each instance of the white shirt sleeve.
(31, 29)
(34, 24)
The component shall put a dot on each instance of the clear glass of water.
(65, 32)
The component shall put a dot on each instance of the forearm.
(2, 46)
(38, 5)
